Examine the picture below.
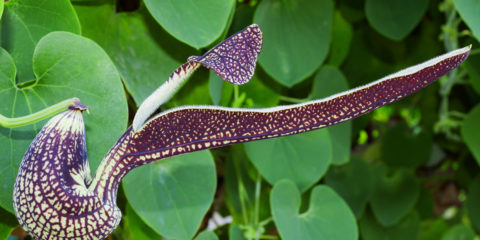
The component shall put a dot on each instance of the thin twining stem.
(38, 116)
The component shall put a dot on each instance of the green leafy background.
(409, 170)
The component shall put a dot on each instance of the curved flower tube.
(55, 198)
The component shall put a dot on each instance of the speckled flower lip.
(56, 198)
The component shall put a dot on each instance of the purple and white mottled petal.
(235, 58)
(51, 199)
(194, 128)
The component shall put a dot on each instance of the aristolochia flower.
(55, 198)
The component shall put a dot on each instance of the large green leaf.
(394, 195)
(26, 21)
(328, 216)
(353, 182)
(329, 81)
(473, 198)
(296, 37)
(65, 66)
(470, 130)
(407, 228)
(402, 148)
(303, 158)
(173, 195)
(469, 10)
(143, 52)
(196, 23)
(395, 19)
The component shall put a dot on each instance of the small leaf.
(353, 182)
(432, 229)
(25, 22)
(303, 158)
(220, 91)
(296, 37)
(469, 10)
(395, 19)
(206, 235)
(173, 195)
(196, 23)
(407, 228)
(328, 216)
(398, 139)
(473, 198)
(459, 232)
(235, 233)
(470, 130)
(394, 194)
(327, 82)
(342, 34)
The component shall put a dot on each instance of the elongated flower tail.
(192, 128)
(235, 58)
(50, 198)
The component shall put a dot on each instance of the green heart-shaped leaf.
(395, 19)
(353, 182)
(473, 198)
(65, 66)
(143, 52)
(459, 232)
(25, 22)
(196, 23)
(296, 37)
(470, 130)
(398, 139)
(329, 81)
(407, 228)
(303, 158)
(394, 194)
(207, 235)
(173, 195)
(469, 10)
(328, 216)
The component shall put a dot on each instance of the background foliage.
(409, 170)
